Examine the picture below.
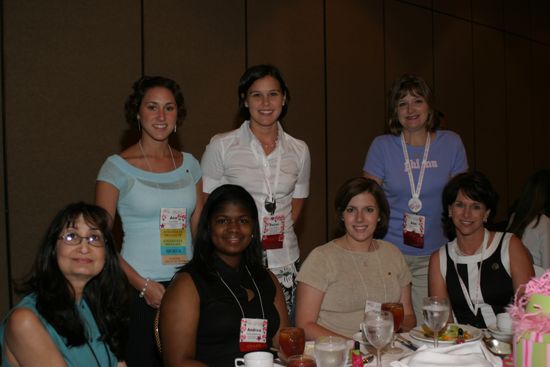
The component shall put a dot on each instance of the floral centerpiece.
(531, 322)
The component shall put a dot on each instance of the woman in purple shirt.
(433, 156)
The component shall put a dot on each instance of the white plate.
(277, 365)
(500, 335)
(418, 334)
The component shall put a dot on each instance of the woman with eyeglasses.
(157, 192)
(271, 165)
(74, 312)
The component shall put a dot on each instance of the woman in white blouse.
(270, 164)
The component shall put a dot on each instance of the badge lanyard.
(361, 275)
(414, 203)
(473, 304)
(270, 202)
(236, 299)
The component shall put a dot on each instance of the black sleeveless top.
(217, 342)
(496, 287)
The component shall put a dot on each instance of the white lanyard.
(236, 299)
(271, 191)
(474, 304)
(415, 204)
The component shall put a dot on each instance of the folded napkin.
(473, 354)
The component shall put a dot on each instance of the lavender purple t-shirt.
(447, 157)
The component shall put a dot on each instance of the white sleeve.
(212, 166)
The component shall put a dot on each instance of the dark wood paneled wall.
(68, 65)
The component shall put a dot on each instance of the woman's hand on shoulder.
(154, 293)
(27, 342)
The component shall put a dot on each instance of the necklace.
(147, 161)
(360, 273)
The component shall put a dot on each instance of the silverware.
(406, 343)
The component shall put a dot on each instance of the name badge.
(253, 334)
(372, 306)
(413, 230)
(273, 234)
(173, 244)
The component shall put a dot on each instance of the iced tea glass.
(398, 313)
(301, 360)
(292, 341)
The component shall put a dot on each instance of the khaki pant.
(418, 266)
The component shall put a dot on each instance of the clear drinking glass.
(377, 327)
(330, 351)
(436, 313)
(398, 313)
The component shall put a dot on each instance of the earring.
(175, 128)
(138, 122)
(450, 215)
(246, 105)
(484, 220)
(378, 220)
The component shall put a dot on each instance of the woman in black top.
(224, 285)
(476, 296)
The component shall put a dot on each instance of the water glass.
(378, 329)
(330, 351)
(436, 314)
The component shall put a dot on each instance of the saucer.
(504, 336)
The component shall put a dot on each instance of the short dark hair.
(140, 88)
(358, 185)
(476, 186)
(417, 87)
(203, 248)
(106, 293)
(254, 73)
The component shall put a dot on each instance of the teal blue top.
(94, 353)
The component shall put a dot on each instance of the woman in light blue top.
(74, 311)
(157, 191)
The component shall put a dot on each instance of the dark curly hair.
(358, 185)
(140, 88)
(254, 73)
(203, 247)
(474, 185)
(105, 294)
(399, 89)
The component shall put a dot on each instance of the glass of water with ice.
(436, 313)
(377, 327)
(330, 351)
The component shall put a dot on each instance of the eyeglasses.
(73, 239)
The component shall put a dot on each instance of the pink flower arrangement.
(537, 321)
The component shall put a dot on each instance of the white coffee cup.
(504, 322)
(255, 359)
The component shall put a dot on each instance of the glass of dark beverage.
(398, 313)
(292, 341)
(301, 360)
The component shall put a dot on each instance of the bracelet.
(142, 293)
